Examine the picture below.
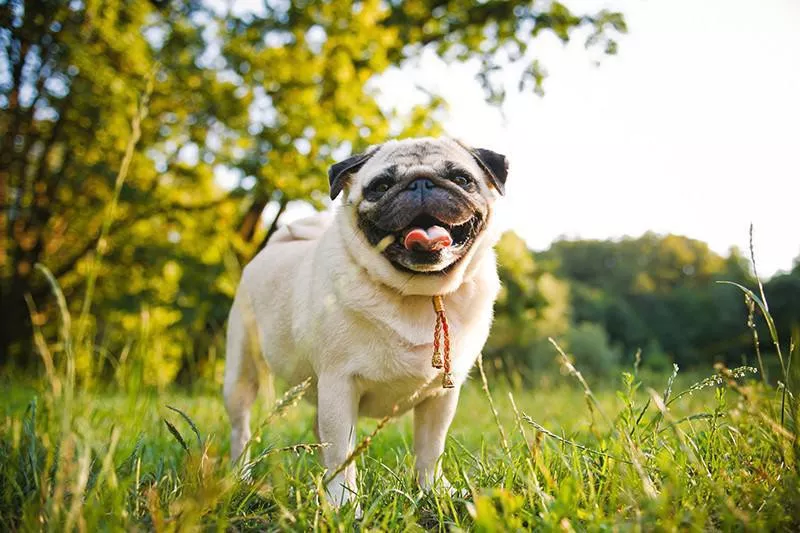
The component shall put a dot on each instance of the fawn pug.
(346, 299)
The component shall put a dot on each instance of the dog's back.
(306, 229)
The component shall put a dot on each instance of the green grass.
(717, 458)
(645, 453)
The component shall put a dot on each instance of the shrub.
(589, 345)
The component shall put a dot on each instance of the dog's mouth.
(426, 233)
(426, 244)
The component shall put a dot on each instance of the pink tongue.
(434, 239)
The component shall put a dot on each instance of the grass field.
(646, 456)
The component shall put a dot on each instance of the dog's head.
(421, 203)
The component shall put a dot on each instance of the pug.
(346, 299)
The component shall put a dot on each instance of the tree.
(588, 344)
(191, 91)
(533, 305)
(783, 297)
(657, 291)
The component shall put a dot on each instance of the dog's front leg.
(337, 412)
(432, 418)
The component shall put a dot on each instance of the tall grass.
(712, 453)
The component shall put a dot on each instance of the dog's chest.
(394, 367)
(386, 356)
(383, 398)
(393, 374)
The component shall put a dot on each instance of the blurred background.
(150, 149)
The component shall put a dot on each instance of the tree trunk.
(273, 227)
(249, 223)
(15, 327)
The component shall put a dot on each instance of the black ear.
(337, 174)
(494, 164)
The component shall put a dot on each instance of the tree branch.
(249, 223)
(273, 227)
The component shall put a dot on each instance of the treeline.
(605, 300)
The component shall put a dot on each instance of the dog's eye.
(380, 187)
(461, 181)
(377, 188)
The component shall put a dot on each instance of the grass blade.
(177, 435)
(190, 422)
(559, 438)
(773, 331)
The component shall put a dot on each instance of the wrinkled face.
(422, 202)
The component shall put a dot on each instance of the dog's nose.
(423, 184)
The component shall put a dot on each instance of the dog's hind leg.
(241, 372)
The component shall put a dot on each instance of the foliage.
(588, 343)
(783, 294)
(655, 294)
(657, 289)
(532, 306)
(265, 98)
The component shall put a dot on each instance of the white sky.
(693, 128)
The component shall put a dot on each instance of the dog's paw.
(342, 498)
(442, 485)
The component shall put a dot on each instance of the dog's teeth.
(384, 243)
